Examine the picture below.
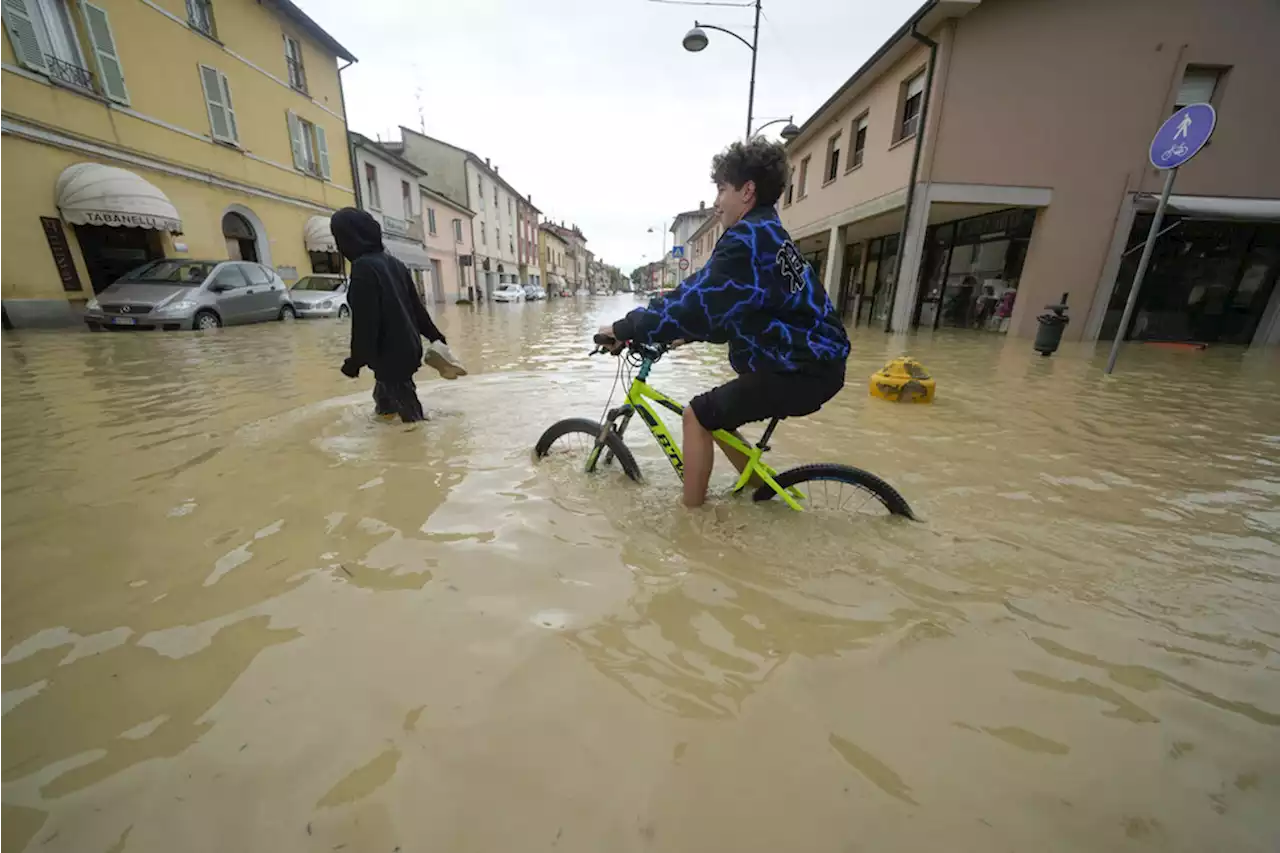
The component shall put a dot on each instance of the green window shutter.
(322, 151)
(214, 98)
(295, 141)
(21, 23)
(110, 71)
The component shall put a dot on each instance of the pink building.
(1026, 125)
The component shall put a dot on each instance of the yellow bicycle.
(829, 485)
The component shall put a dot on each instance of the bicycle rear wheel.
(840, 488)
(577, 437)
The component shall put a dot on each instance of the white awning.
(317, 236)
(410, 254)
(1217, 207)
(94, 194)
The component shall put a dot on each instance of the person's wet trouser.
(397, 397)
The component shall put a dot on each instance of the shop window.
(293, 61)
(1199, 86)
(859, 141)
(833, 159)
(217, 97)
(310, 146)
(200, 17)
(912, 101)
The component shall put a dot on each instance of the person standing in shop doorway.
(388, 319)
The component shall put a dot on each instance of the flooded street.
(239, 614)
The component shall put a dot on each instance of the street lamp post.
(788, 133)
(696, 39)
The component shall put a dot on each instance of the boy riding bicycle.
(757, 294)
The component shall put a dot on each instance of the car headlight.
(325, 305)
(92, 305)
(177, 307)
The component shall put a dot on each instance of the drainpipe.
(351, 147)
(915, 167)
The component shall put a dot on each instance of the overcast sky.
(593, 106)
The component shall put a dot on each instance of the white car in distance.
(509, 293)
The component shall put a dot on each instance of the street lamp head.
(790, 132)
(694, 40)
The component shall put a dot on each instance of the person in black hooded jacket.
(388, 319)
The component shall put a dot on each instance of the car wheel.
(287, 312)
(343, 312)
(206, 320)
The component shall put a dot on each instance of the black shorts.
(761, 396)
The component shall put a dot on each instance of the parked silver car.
(177, 293)
(320, 296)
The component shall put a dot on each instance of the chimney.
(486, 162)
(702, 205)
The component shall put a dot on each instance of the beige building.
(702, 242)
(992, 156)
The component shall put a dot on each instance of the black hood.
(356, 233)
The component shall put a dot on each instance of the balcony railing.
(69, 72)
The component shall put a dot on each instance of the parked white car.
(534, 291)
(320, 296)
(509, 293)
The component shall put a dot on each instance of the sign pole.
(1152, 234)
(1179, 139)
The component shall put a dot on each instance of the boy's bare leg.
(739, 459)
(699, 456)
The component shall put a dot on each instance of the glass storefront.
(1208, 281)
(969, 277)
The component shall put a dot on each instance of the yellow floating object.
(903, 380)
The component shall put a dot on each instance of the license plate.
(124, 321)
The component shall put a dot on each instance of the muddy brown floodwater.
(239, 615)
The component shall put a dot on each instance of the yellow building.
(139, 129)
(553, 258)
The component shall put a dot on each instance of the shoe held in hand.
(439, 357)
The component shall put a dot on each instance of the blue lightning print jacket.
(757, 294)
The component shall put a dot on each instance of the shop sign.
(134, 220)
(61, 253)
(398, 227)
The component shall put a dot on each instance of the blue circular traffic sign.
(1182, 136)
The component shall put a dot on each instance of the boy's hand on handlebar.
(604, 339)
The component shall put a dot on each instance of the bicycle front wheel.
(577, 437)
(840, 488)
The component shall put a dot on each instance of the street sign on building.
(1182, 136)
(677, 251)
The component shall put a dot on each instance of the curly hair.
(757, 160)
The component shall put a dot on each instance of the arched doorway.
(242, 241)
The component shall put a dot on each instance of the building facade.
(477, 185)
(448, 229)
(527, 242)
(577, 258)
(682, 229)
(953, 183)
(553, 258)
(388, 190)
(137, 131)
(702, 242)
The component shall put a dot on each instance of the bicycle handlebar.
(606, 344)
